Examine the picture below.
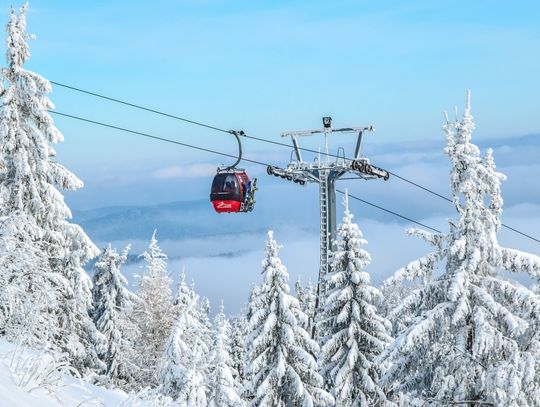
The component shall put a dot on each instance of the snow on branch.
(518, 261)
(420, 268)
(434, 239)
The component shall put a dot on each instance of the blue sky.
(269, 66)
(265, 67)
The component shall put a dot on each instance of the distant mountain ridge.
(174, 220)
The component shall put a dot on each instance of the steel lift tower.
(326, 172)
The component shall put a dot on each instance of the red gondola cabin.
(232, 191)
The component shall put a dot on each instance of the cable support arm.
(237, 134)
(301, 133)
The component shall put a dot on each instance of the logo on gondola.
(223, 205)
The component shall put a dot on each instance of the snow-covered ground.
(28, 378)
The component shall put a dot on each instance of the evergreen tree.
(355, 334)
(394, 295)
(183, 371)
(238, 351)
(30, 293)
(253, 303)
(30, 199)
(184, 294)
(112, 303)
(154, 312)
(464, 344)
(281, 366)
(221, 381)
(307, 297)
(529, 360)
(204, 315)
(299, 289)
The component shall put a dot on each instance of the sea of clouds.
(222, 254)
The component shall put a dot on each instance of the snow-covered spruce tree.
(238, 351)
(30, 293)
(524, 366)
(254, 294)
(464, 344)
(536, 288)
(182, 375)
(112, 304)
(204, 314)
(282, 366)
(223, 388)
(529, 360)
(354, 334)
(30, 199)
(394, 295)
(299, 291)
(307, 297)
(184, 294)
(252, 306)
(153, 312)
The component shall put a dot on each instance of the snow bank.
(27, 378)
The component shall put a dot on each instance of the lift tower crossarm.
(298, 133)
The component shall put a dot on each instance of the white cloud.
(226, 264)
(400, 158)
(225, 267)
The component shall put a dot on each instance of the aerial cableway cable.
(208, 126)
(387, 211)
(147, 109)
(153, 137)
(139, 133)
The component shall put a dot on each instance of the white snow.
(21, 365)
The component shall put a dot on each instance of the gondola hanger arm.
(237, 134)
